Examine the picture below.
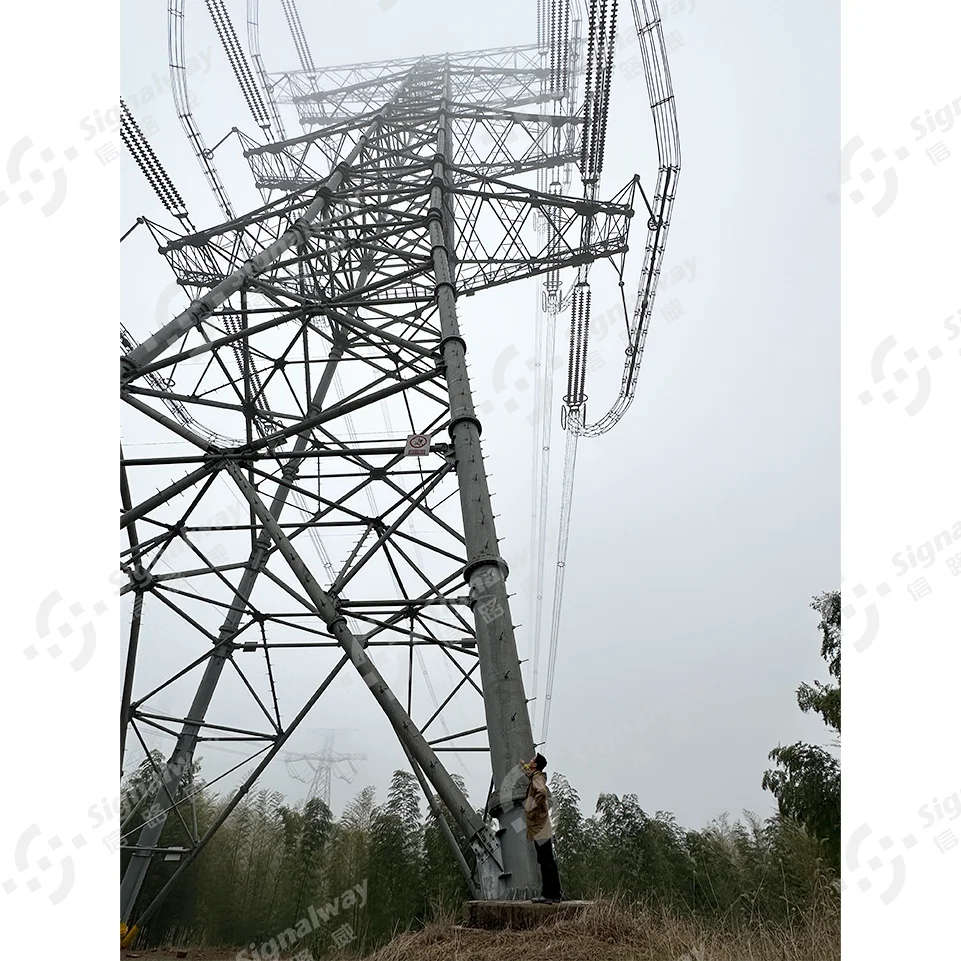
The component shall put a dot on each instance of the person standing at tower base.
(539, 828)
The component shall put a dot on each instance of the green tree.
(445, 887)
(396, 899)
(572, 849)
(807, 778)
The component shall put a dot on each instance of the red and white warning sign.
(417, 445)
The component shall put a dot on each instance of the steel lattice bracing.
(366, 295)
(299, 539)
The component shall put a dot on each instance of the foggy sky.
(705, 521)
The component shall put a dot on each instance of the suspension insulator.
(577, 359)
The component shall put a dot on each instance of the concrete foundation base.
(498, 915)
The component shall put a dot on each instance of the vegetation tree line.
(271, 861)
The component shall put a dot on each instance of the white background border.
(900, 470)
(59, 62)
(899, 484)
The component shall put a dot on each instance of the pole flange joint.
(464, 418)
(489, 560)
(452, 339)
(444, 283)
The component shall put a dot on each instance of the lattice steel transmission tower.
(331, 506)
(316, 768)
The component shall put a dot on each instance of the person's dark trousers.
(549, 875)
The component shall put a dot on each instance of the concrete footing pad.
(498, 915)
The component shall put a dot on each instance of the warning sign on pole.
(417, 445)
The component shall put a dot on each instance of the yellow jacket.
(539, 827)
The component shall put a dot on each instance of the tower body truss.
(326, 509)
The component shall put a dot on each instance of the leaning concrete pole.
(505, 704)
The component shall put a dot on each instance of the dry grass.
(609, 930)
(170, 954)
(616, 931)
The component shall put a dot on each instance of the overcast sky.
(705, 521)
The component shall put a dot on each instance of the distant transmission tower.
(318, 391)
(315, 769)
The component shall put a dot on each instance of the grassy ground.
(193, 954)
(611, 932)
(605, 931)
